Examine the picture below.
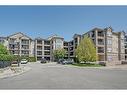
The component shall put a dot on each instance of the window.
(59, 43)
(109, 33)
(47, 42)
(109, 41)
(122, 36)
(39, 52)
(109, 49)
(109, 58)
(39, 41)
(46, 47)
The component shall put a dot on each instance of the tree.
(86, 50)
(3, 49)
(59, 53)
(4, 54)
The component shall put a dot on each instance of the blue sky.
(65, 21)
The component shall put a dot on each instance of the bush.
(5, 60)
(4, 57)
(32, 59)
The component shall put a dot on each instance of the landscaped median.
(13, 71)
(86, 65)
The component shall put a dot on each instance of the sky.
(65, 21)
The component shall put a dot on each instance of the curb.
(15, 74)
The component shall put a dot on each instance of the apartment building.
(20, 44)
(44, 47)
(111, 46)
(3, 40)
(66, 47)
(125, 41)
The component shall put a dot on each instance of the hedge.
(30, 59)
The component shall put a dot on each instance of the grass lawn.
(87, 65)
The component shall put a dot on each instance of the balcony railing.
(101, 34)
(100, 50)
(100, 43)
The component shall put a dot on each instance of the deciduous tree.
(86, 50)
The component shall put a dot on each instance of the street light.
(18, 45)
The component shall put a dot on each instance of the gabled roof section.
(54, 36)
(96, 28)
(19, 33)
(75, 35)
(39, 38)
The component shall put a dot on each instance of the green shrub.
(3, 50)
(4, 57)
(32, 59)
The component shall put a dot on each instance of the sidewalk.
(122, 66)
(12, 71)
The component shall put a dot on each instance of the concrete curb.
(25, 69)
(108, 67)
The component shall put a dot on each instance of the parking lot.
(56, 76)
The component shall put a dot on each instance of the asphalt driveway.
(54, 76)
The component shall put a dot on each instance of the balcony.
(100, 42)
(24, 47)
(47, 53)
(39, 42)
(65, 44)
(100, 33)
(12, 42)
(25, 42)
(100, 50)
(76, 40)
(71, 48)
(39, 52)
(46, 42)
(46, 47)
(126, 46)
(101, 57)
(25, 52)
(39, 47)
(125, 51)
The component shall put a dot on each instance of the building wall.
(111, 43)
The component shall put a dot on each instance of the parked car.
(43, 60)
(60, 61)
(66, 61)
(14, 63)
(102, 63)
(124, 62)
(23, 61)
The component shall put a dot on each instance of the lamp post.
(18, 52)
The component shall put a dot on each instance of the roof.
(3, 37)
(19, 33)
(76, 35)
(54, 36)
(96, 28)
(39, 38)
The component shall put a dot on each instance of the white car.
(24, 61)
